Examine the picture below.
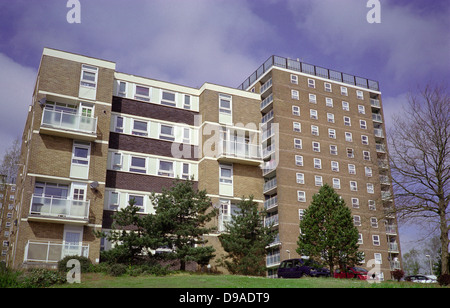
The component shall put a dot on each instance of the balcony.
(52, 252)
(391, 230)
(238, 152)
(271, 203)
(266, 103)
(266, 86)
(270, 187)
(380, 148)
(269, 168)
(223, 221)
(271, 221)
(393, 247)
(266, 118)
(376, 117)
(375, 103)
(57, 210)
(378, 132)
(69, 125)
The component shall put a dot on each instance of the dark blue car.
(296, 268)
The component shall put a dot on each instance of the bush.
(444, 280)
(117, 269)
(398, 274)
(42, 278)
(85, 264)
(8, 278)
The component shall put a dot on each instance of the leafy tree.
(180, 222)
(246, 239)
(327, 230)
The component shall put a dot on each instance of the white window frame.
(344, 91)
(372, 205)
(327, 87)
(332, 133)
(139, 132)
(333, 149)
(359, 94)
(165, 136)
(225, 109)
(345, 106)
(114, 205)
(296, 110)
(364, 139)
(370, 188)
(336, 183)
(334, 166)
(368, 171)
(355, 203)
(376, 240)
(133, 196)
(301, 196)
(300, 178)
(317, 163)
(87, 83)
(299, 160)
(356, 220)
(363, 124)
(168, 102)
(366, 155)
(122, 92)
(226, 179)
(298, 143)
(116, 160)
(316, 146)
(348, 137)
(373, 222)
(294, 79)
(361, 109)
(142, 97)
(187, 101)
(330, 117)
(313, 114)
(311, 83)
(295, 94)
(350, 153)
(164, 172)
(318, 180)
(138, 169)
(347, 121)
(118, 128)
(78, 160)
(314, 130)
(312, 98)
(353, 186)
(297, 127)
(351, 169)
(329, 102)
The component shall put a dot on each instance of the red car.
(351, 272)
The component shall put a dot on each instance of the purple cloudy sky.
(190, 42)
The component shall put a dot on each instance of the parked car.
(296, 268)
(351, 272)
(421, 278)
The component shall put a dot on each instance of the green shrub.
(117, 269)
(8, 277)
(42, 278)
(85, 264)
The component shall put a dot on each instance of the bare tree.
(420, 162)
(9, 164)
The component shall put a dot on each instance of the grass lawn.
(186, 280)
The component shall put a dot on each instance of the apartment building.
(7, 198)
(96, 138)
(330, 130)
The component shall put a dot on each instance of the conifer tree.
(327, 232)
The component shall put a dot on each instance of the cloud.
(17, 83)
(408, 43)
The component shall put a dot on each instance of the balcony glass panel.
(69, 121)
(57, 207)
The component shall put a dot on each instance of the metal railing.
(52, 252)
(296, 65)
(69, 121)
(56, 207)
(269, 185)
(240, 150)
(271, 203)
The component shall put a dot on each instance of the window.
(186, 135)
(335, 166)
(301, 212)
(301, 196)
(138, 201)
(139, 128)
(142, 93)
(353, 186)
(59, 191)
(297, 127)
(366, 155)
(296, 110)
(368, 171)
(314, 130)
(88, 76)
(361, 109)
(363, 124)
(137, 164)
(298, 143)
(122, 89)
(166, 132)
(300, 177)
(351, 169)
(347, 121)
(355, 203)
(117, 161)
(370, 188)
(344, 91)
(187, 102)
(330, 117)
(295, 95)
(312, 98)
(311, 83)
(114, 198)
(333, 150)
(294, 79)
(317, 163)
(364, 139)
(372, 205)
(376, 240)
(327, 87)
(360, 239)
(118, 125)
(166, 168)
(350, 153)
(225, 103)
(185, 174)
(359, 94)
(316, 146)
(318, 180)
(378, 260)
(80, 154)
(298, 160)
(373, 222)
(332, 133)
(226, 174)
(329, 102)
(336, 183)
(357, 220)
(313, 114)
(345, 106)
(168, 98)
(348, 137)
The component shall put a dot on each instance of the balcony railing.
(390, 229)
(377, 117)
(272, 220)
(270, 185)
(238, 151)
(266, 102)
(223, 220)
(69, 121)
(378, 133)
(52, 252)
(266, 118)
(375, 103)
(271, 203)
(392, 247)
(380, 148)
(310, 69)
(266, 86)
(59, 208)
